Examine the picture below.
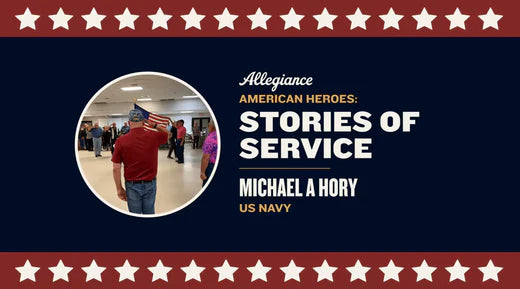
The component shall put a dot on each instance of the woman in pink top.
(209, 150)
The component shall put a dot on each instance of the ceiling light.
(190, 96)
(187, 111)
(114, 114)
(131, 88)
(144, 99)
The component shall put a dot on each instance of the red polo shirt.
(137, 150)
(181, 132)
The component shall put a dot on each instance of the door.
(202, 123)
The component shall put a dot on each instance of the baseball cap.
(135, 115)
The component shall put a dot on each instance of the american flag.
(156, 118)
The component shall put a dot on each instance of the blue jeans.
(180, 151)
(141, 197)
(97, 145)
(82, 143)
(208, 171)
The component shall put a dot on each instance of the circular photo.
(147, 144)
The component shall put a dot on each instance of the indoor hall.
(161, 101)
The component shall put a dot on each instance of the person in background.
(114, 133)
(209, 150)
(106, 138)
(124, 129)
(138, 152)
(82, 137)
(181, 136)
(96, 139)
(90, 144)
(173, 140)
(196, 135)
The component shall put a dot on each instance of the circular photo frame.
(147, 144)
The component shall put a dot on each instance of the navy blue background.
(450, 185)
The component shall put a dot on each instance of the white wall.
(184, 109)
(119, 120)
(187, 118)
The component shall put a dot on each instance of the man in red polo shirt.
(138, 150)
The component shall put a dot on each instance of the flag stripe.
(153, 117)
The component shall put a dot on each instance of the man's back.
(138, 151)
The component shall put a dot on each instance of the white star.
(60, 271)
(192, 271)
(424, 19)
(126, 19)
(93, 19)
(225, 19)
(259, 271)
(160, 271)
(27, 19)
(490, 19)
(93, 271)
(424, 271)
(457, 271)
(126, 271)
(259, 19)
(292, 19)
(490, 271)
(160, 19)
(325, 19)
(27, 271)
(358, 19)
(391, 19)
(457, 19)
(325, 271)
(60, 19)
(225, 271)
(358, 272)
(292, 271)
(193, 19)
(391, 271)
